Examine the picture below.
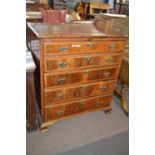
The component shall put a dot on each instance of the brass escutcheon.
(60, 113)
(112, 46)
(106, 74)
(61, 80)
(104, 88)
(90, 45)
(60, 95)
(62, 64)
(85, 72)
(63, 49)
(109, 59)
(88, 58)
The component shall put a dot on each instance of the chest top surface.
(44, 30)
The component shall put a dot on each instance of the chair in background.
(48, 16)
(53, 16)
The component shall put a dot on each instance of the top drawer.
(82, 47)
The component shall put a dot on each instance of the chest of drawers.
(78, 69)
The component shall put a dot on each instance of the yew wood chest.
(78, 69)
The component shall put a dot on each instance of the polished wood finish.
(79, 76)
(87, 46)
(74, 107)
(57, 95)
(62, 63)
(78, 69)
(70, 32)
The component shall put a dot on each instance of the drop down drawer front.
(59, 48)
(60, 63)
(78, 106)
(79, 76)
(55, 96)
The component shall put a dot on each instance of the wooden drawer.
(79, 61)
(69, 93)
(72, 77)
(82, 47)
(71, 108)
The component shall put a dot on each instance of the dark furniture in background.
(35, 6)
(30, 94)
(51, 4)
(122, 8)
(122, 85)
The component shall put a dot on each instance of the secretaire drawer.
(80, 76)
(64, 94)
(79, 61)
(82, 47)
(75, 107)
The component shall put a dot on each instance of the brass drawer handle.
(60, 95)
(112, 47)
(61, 80)
(109, 60)
(106, 74)
(85, 72)
(84, 87)
(90, 45)
(60, 113)
(62, 64)
(63, 49)
(104, 88)
(99, 103)
(81, 103)
(88, 58)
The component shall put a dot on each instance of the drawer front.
(82, 47)
(64, 63)
(55, 112)
(65, 94)
(71, 108)
(89, 75)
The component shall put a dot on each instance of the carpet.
(88, 134)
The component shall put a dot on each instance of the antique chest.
(78, 69)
